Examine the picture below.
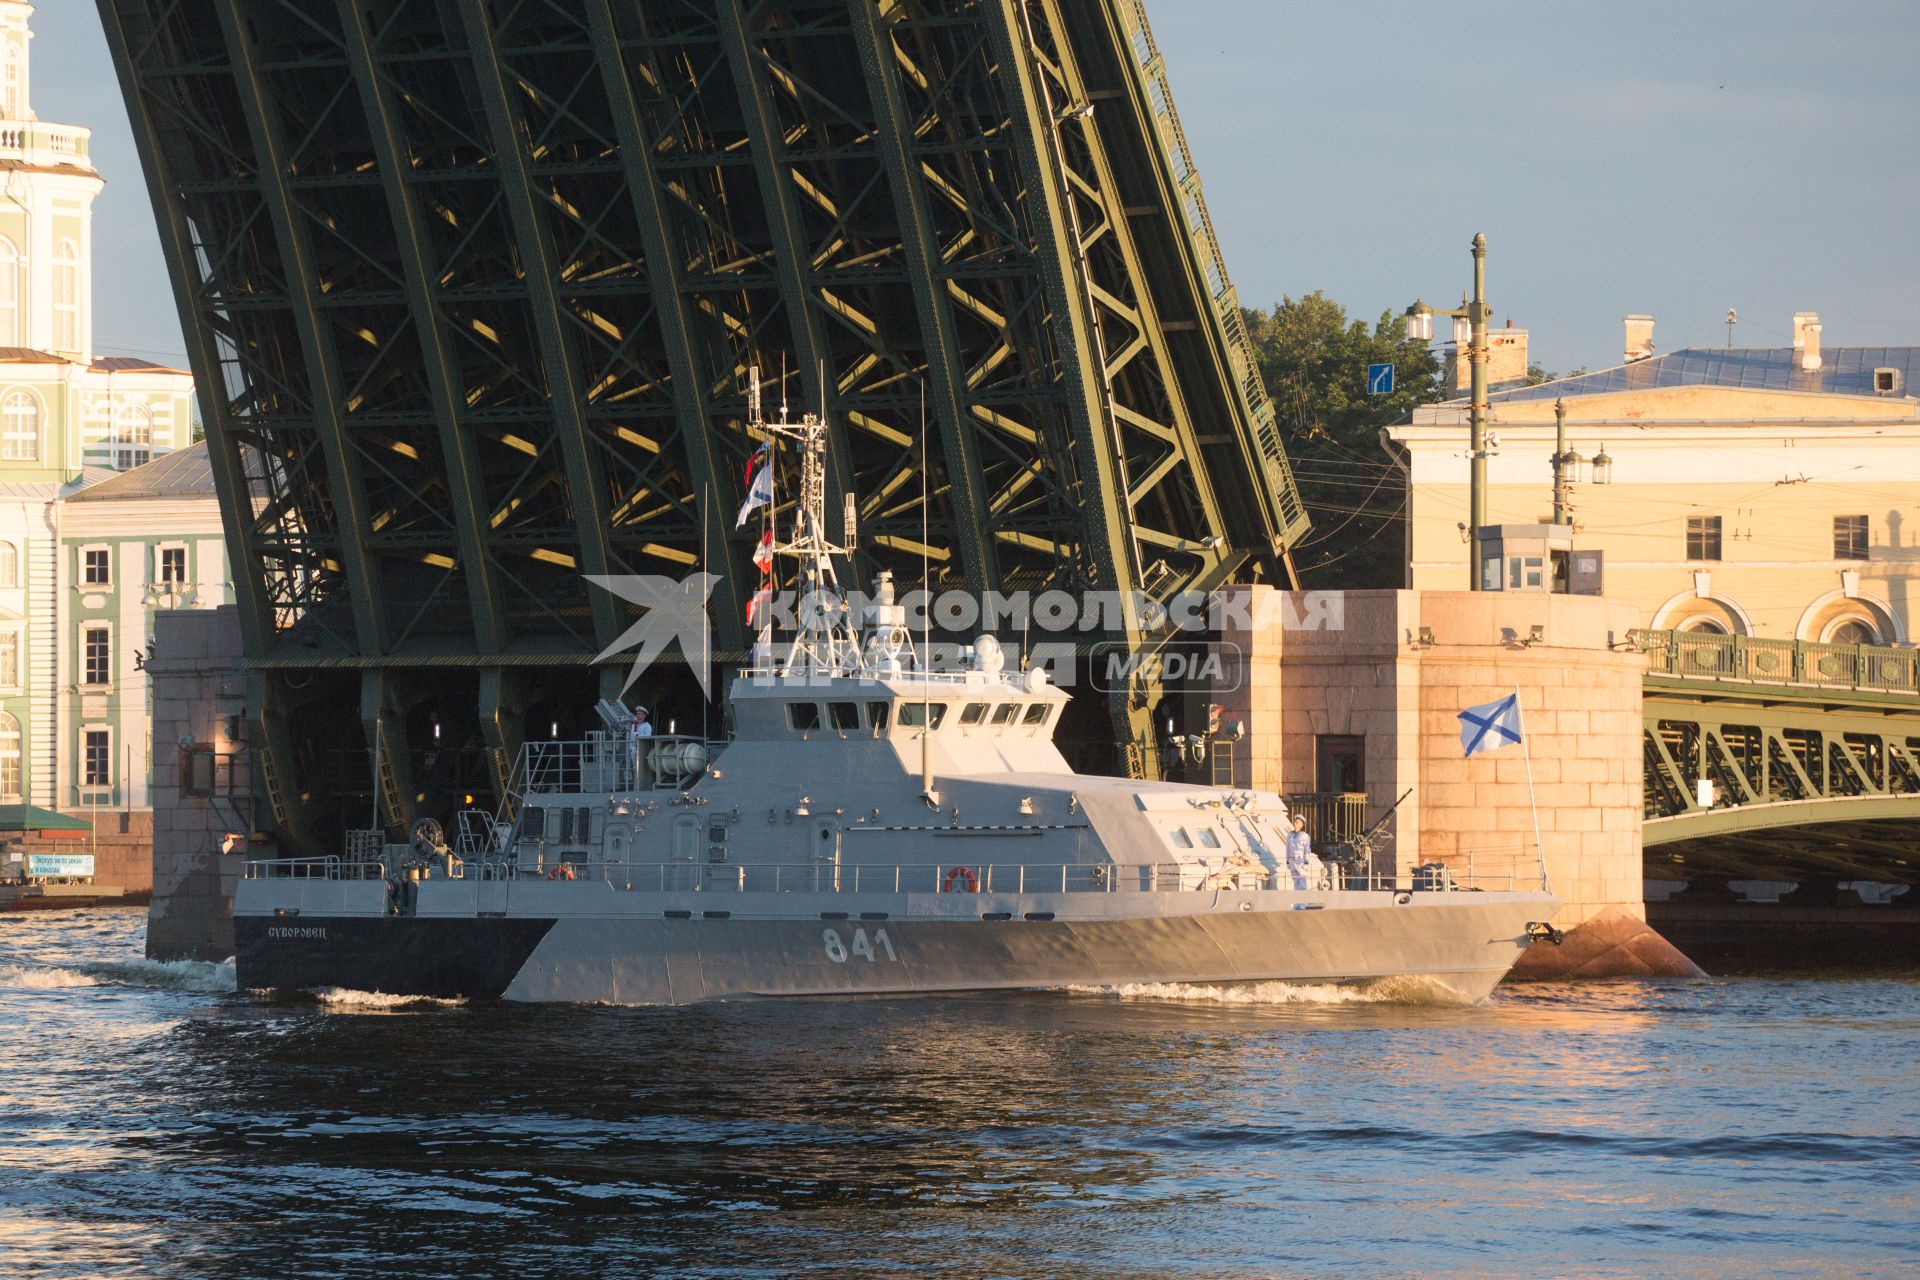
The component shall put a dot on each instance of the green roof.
(31, 817)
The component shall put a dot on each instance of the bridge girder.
(1773, 762)
(1807, 783)
(472, 288)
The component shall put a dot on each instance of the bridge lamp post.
(1566, 466)
(1470, 322)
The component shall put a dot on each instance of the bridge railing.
(1696, 655)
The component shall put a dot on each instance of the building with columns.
(102, 522)
(1769, 492)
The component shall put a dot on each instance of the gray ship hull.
(1459, 943)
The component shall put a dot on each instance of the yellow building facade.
(1765, 492)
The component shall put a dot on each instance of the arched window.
(133, 437)
(1854, 631)
(9, 293)
(66, 296)
(1704, 626)
(13, 83)
(9, 565)
(20, 428)
(9, 758)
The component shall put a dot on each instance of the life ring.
(958, 873)
(562, 872)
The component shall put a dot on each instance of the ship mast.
(826, 642)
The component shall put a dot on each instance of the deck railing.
(606, 762)
(330, 867)
(1696, 655)
(891, 878)
(1333, 817)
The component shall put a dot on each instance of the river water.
(155, 1123)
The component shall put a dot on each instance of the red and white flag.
(760, 605)
(763, 553)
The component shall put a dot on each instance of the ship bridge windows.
(1179, 838)
(1005, 714)
(1208, 838)
(915, 714)
(845, 717)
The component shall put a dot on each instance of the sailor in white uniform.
(637, 728)
(1305, 869)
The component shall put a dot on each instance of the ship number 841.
(878, 947)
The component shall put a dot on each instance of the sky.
(1673, 158)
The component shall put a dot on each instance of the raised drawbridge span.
(472, 289)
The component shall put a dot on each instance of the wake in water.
(36, 978)
(1404, 989)
(163, 975)
(346, 998)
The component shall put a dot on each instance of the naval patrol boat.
(871, 826)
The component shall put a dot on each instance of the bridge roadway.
(1781, 760)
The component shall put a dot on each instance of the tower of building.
(47, 189)
(86, 555)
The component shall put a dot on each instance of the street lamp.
(1565, 464)
(1471, 316)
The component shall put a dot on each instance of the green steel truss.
(472, 288)
(1812, 752)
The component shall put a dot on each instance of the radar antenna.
(826, 641)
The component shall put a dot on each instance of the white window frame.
(11, 440)
(160, 578)
(67, 291)
(10, 263)
(80, 574)
(132, 442)
(86, 732)
(13, 759)
(9, 564)
(11, 638)
(87, 629)
(13, 81)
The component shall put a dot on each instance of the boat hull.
(1460, 943)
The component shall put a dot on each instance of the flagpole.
(1526, 753)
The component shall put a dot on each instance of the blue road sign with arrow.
(1380, 379)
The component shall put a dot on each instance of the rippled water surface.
(154, 1123)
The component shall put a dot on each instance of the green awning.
(31, 817)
